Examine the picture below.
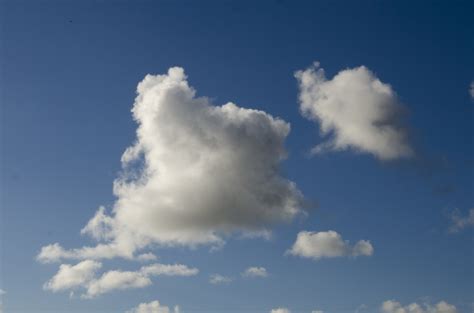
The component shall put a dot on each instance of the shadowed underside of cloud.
(356, 110)
(83, 276)
(329, 244)
(391, 306)
(196, 172)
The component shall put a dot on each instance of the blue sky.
(69, 73)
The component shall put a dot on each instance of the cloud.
(471, 89)
(459, 223)
(71, 276)
(255, 272)
(83, 275)
(153, 307)
(392, 306)
(329, 244)
(2, 292)
(356, 110)
(317, 311)
(196, 172)
(280, 310)
(217, 279)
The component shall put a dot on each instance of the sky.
(235, 156)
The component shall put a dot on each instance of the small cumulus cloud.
(153, 307)
(217, 279)
(471, 89)
(255, 271)
(280, 310)
(327, 244)
(356, 110)
(83, 276)
(392, 306)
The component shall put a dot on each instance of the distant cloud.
(280, 310)
(392, 306)
(153, 307)
(255, 272)
(329, 244)
(317, 311)
(471, 89)
(459, 223)
(2, 292)
(217, 279)
(356, 110)
(195, 172)
(83, 276)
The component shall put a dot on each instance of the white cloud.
(317, 311)
(217, 279)
(71, 276)
(255, 272)
(195, 172)
(458, 222)
(356, 109)
(327, 244)
(471, 89)
(392, 306)
(83, 276)
(153, 307)
(280, 310)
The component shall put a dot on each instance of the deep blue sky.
(69, 70)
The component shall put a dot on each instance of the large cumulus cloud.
(356, 110)
(195, 173)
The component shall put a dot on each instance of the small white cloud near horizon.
(317, 311)
(459, 223)
(83, 276)
(392, 306)
(280, 310)
(153, 307)
(184, 183)
(217, 279)
(356, 110)
(255, 271)
(327, 244)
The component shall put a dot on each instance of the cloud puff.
(392, 306)
(83, 275)
(255, 272)
(153, 307)
(471, 89)
(217, 279)
(71, 276)
(357, 110)
(280, 310)
(329, 244)
(458, 222)
(195, 172)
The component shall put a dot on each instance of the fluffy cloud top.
(255, 272)
(356, 109)
(392, 306)
(217, 279)
(195, 172)
(458, 222)
(329, 244)
(70, 276)
(153, 307)
(280, 310)
(82, 275)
